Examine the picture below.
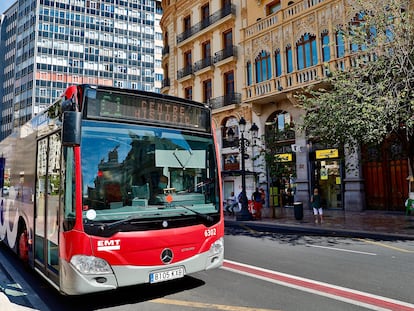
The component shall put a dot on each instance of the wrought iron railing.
(223, 12)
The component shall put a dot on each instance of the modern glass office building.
(47, 45)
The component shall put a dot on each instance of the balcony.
(230, 51)
(165, 50)
(203, 63)
(226, 100)
(215, 17)
(186, 71)
(165, 83)
(279, 17)
(286, 82)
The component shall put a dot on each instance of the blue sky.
(5, 4)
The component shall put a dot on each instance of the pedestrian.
(232, 203)
(257, 201)
(316, 205)
(263, 196)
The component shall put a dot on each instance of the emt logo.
(109, 245)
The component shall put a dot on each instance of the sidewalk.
(366, 224)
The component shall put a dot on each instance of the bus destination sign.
(135, 107)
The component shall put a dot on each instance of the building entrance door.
(327, 176)
(328, 180)
(385, 172)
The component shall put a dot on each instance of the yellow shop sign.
(326, 153)
(283, 157)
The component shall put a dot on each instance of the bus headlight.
(217, 247)
(90, 265)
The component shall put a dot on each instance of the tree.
(374, 97)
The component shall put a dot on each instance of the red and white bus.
(111, 187)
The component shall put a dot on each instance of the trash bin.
(298, 210)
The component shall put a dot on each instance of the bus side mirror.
(71, 131)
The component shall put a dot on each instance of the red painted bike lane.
(355, 297)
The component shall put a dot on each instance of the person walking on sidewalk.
(316, 205)
(257, 201)
(231, 203)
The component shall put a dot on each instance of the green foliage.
(374, 97)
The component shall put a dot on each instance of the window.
(279, 126)
(278, 63)
(263, 67)
(188, 92)
(228, 39)
(187, 59)
(306, 51)
(226, 3)
(229, 83)
(273, 7)
(340, 44)
(289, 61)
(358, 26)
(249, 73)
(187, 23)
(206, 49)
(205, 12)
(326, 55)
(207, 91)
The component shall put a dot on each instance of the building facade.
(248, 59)
(203, 61)
(48, 45)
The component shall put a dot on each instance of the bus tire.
(23, 246)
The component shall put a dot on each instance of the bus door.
(47, 206)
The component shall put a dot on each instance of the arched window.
(306, 51)
(340, 44)
(278, 63)
(280, 122)
(263, 66)
(289, 60)
(358, 26)
(249, 73)
(357, 22)
(326, 55)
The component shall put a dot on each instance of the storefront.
(327, 176)
(282, 187)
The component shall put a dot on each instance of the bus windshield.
(142, 173)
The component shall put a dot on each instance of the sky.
(5, 4)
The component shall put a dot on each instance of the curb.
(296, 229)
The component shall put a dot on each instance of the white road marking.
(341, 250)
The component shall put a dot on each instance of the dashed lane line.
(341, 250)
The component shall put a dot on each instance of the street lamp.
(243, 143)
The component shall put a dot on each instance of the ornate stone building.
(247, 58)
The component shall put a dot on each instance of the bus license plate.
(166, 275)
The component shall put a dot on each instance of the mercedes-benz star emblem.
(167, 256)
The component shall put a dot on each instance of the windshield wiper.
(202, 216)
(104, 227)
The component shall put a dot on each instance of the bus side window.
(2, 166)
(69, 185)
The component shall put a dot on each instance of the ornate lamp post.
(243, 143)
